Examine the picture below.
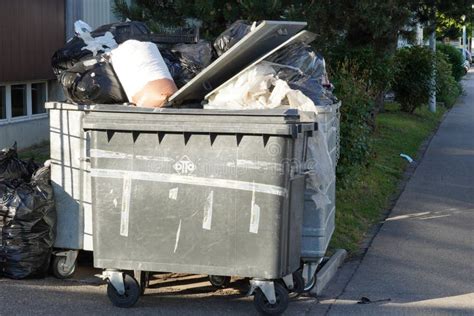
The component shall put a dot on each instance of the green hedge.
(455, 58)
(356, 111)
(412, 77)
(447, 88)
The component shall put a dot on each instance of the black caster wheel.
(131, 295)
(298, 283)
(264, 307)
(143, 280)
(60, 270)
(219, 281)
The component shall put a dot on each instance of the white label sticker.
(254, 215)
(207, 221)
(178, 234)
(124, 215)
(173, 194)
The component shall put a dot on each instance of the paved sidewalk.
(422, 260)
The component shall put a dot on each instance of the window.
(38, 97)
(19, 105)
(22, 101)
(3, 102)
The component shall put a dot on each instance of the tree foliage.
(455, 58)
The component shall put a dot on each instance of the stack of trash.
(126, 63)
(27, 217)
(133, 65)
(294, 76)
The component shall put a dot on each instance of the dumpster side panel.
(319, 221)
(70, 179)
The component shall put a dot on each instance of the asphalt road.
(168, 295)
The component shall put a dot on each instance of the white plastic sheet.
(94, 44)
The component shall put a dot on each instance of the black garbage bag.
(92, 81)
(310, 86)
(73, 51)
(124, 31)
(303, 57)
(185, 61)
(12, 168)
(174, 66)
(28, 217)
(231, 36)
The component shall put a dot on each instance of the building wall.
(30, 32)
(93, 12)
(25, 133)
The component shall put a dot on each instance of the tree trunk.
(380, 102)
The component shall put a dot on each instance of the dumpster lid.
(280, 121)
(305, 37)
(266, 36)
(65, 106)
(285, 112)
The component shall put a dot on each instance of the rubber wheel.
(265, 308)
(298, 283)
(59, 268)
(131, 295)
(219, 281)
(142, 278)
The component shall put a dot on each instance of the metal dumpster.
(71, 182)
(197, 191)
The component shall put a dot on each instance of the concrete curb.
(328, 271)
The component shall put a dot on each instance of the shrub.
(356, 112)
(375, 68)
(412, 77)
(447, 88)
(455, 58)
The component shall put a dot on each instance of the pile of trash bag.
(294, 76)
(27, 217)
(124, 62)
(89, 73)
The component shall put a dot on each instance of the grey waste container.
(71, 182)
(197, 191)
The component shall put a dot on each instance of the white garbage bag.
(143, 73)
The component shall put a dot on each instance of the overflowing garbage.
(125, 63)
(27, 217)
(250, 66)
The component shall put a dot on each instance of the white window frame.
(29, 103)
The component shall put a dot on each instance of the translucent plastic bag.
(302, 57)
